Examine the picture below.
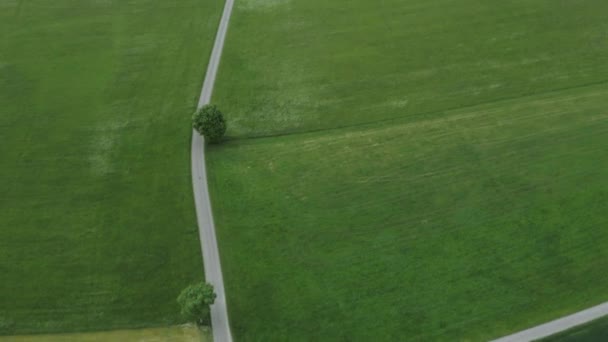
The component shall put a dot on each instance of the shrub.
(194, 302)
(209, 122)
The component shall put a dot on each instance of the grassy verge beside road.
(595, 331)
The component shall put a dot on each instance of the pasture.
(428, 170)
(97, 227)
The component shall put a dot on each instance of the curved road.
(204, 215)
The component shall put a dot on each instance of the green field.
(411, 170)
(596, 331)
(97, 228)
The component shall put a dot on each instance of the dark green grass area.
(301, 65)
(462, 225)
(596, 331)
(97, 228)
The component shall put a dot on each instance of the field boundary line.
(211, 259)
(558, 325)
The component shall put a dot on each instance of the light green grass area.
(299, 65)
(596, 331)
(97, 228)
(470, 205)
(184, 333)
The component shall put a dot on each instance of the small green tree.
(195, 300)
(209, 122)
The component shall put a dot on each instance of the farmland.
(324, 64)
(97, 228)
(406, 169)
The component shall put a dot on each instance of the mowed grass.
(462, 226)
(97, 227)
(453, 187)
(301, 65)
(595, 331)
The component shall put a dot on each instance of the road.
(558, 325)
(204, 214)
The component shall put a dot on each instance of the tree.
(195, 300)
(209, 122)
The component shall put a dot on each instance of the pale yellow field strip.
(182, 333)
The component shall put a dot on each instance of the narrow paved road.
(558, 325)
(206, 227)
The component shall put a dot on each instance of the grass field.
(451, 185)
(596, 331)
(296, 65)
(97, 228)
